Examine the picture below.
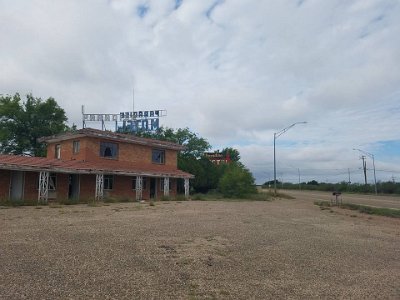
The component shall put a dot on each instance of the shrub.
(237, 182)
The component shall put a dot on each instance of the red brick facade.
(73, 171)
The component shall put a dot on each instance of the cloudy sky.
(235, 72)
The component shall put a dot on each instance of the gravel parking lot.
(197, 250)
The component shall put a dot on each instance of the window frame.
(52, 183)
(57, 151)
(103, 148)
(76, 146)
(161, 157)
(110, 181)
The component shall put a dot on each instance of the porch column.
(43, 187)
(166, 186)
(99, 187)
(139, 188)
(186, 188)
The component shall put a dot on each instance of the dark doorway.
(73, 187)
(153, 188)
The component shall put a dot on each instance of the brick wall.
(62, 186)
(122, 187)
(67, 150)
(5, 184)
(90, 151)
(87, 187)
(31, 186)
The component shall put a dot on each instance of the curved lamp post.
(276, 135)
(373, 164)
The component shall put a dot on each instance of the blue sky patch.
(178, 3)
(142, 10)
(388, 149)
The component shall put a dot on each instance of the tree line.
(387, 187)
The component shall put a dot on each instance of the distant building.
(90, 163)
(217, 157)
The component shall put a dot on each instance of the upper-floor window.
(75, 147)
(57, 151)
(158, 156)
(108, 149)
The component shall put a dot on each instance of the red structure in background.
(218, 158)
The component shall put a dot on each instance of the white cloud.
(247, 70)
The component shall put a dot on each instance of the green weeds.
(379, 211)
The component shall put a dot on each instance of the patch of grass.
(16, 203)
(261, 196)
(95, 204)
(322, 203)
(180, 197)
(380, 211)
(110, 200)
(199, 197)
(68, 201)
(281, 195)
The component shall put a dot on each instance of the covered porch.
(42, 179)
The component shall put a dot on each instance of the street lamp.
(276, 135)
(373, 164)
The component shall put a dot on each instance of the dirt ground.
(198, 250)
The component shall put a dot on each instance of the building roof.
(113, 136)
(112, 167)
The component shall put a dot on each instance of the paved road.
(372, 200)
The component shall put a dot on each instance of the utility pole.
(298, 169)
(348, 169)
(276, 135)
(364, 168)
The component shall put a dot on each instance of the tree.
(232, 153)
(232, 179)
(22, 123)
(313, 182)
(195, 145)
(237, 181)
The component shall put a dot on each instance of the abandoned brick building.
(91, 163)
